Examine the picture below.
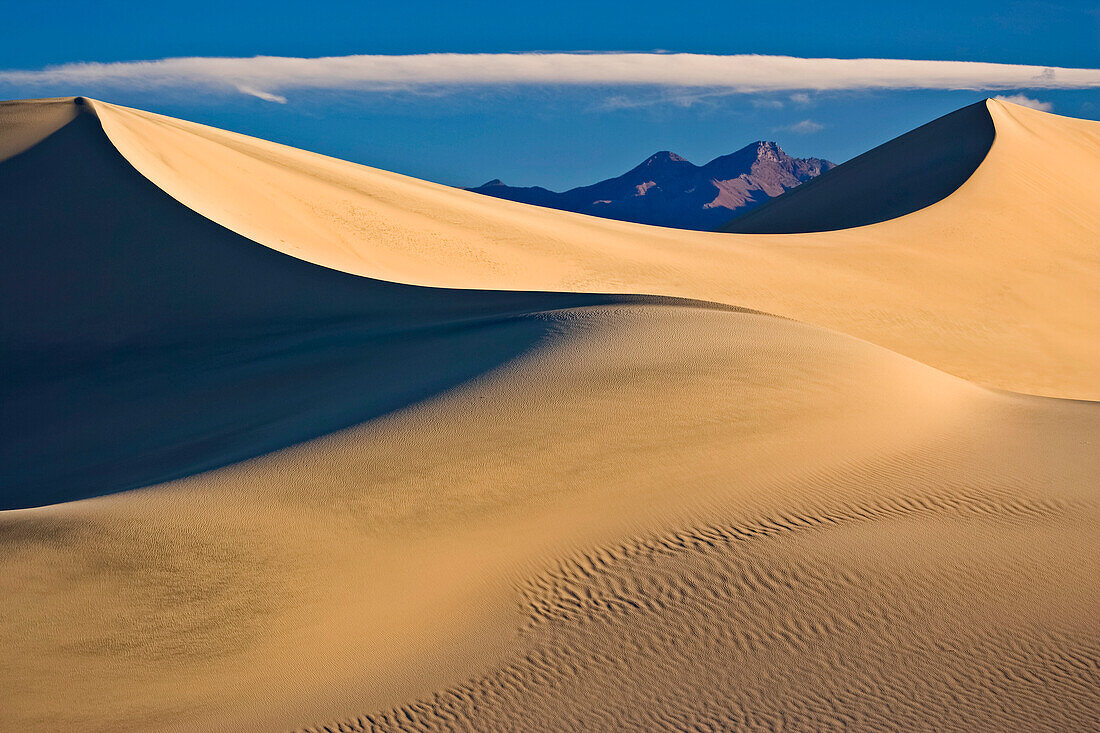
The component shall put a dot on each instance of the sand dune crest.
(402, 507)
(996, 283)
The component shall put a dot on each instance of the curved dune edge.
(143, 342)
(639, 517)
(997, 283)
(648, 473)
(906, 174)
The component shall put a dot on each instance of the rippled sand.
(254, 483)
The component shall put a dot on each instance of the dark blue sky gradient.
(555, 137)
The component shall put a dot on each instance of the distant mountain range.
(668, 190)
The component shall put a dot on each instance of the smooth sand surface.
(552, 511)
(998, 283)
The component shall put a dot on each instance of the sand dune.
(148, 343)
(997, 283)
(548, 510)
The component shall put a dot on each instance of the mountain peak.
(745, 160)
(665, 156)
(762, 149)
(669, 190)
(766, 150)
(662, 159)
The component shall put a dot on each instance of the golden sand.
(803, 500)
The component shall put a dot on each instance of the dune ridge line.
(291, 443)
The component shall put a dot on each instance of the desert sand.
(291, 443)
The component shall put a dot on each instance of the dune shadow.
(143, 342)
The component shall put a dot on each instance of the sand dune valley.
(294, 444)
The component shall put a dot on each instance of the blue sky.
(549, 133)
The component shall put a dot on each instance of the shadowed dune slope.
(143, 342)
(908, 173)
(548, 511)
(998, 283)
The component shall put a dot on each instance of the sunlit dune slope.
(143, 342)
(998, 283)
(548, 511)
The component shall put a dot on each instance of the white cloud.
(266, 96)
(268, 77)
(1026, 101)
(805, 127)
(800, 98)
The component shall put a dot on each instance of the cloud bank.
(270, 77)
